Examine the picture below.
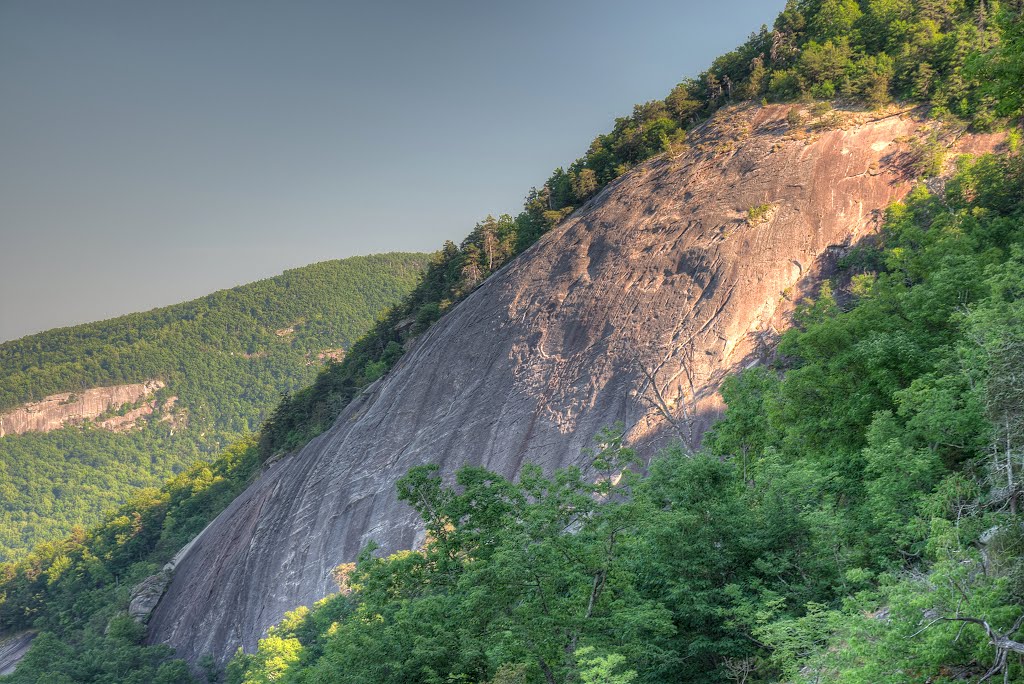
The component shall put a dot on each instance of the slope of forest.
(855, 515)
(215, 368)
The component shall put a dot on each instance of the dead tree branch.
(1001, 641)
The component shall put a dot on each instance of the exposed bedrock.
(13, 648)
(642, 301)
(59, 410)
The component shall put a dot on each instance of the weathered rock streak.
(661, 276)
(13, 648)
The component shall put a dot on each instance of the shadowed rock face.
(639, 303)
(13, 648)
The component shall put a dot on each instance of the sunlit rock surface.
(635, 307)
(72, 408)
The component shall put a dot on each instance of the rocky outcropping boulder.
(147, 594)
(60, 410)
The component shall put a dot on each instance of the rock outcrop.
(146, 594)
(13, 648)
(633, 309)
(60, 410)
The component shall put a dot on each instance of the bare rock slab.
(645, 298)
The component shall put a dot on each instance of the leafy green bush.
(759, 213)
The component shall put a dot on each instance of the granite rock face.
(146, 595)
(633, 309)
(13, 648)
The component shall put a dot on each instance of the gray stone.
(13, 648)
(146, 594)
(661, 276)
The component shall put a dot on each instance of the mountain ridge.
(168, 387)
(652, 265)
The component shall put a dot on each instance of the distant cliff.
(59, 410)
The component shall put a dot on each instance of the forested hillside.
(854, 518)
(226, 359)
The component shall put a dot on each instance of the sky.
(153, 152)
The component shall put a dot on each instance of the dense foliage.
(858, 500)
(75, 591)
(223, 358)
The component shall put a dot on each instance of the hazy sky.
(152, 152)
